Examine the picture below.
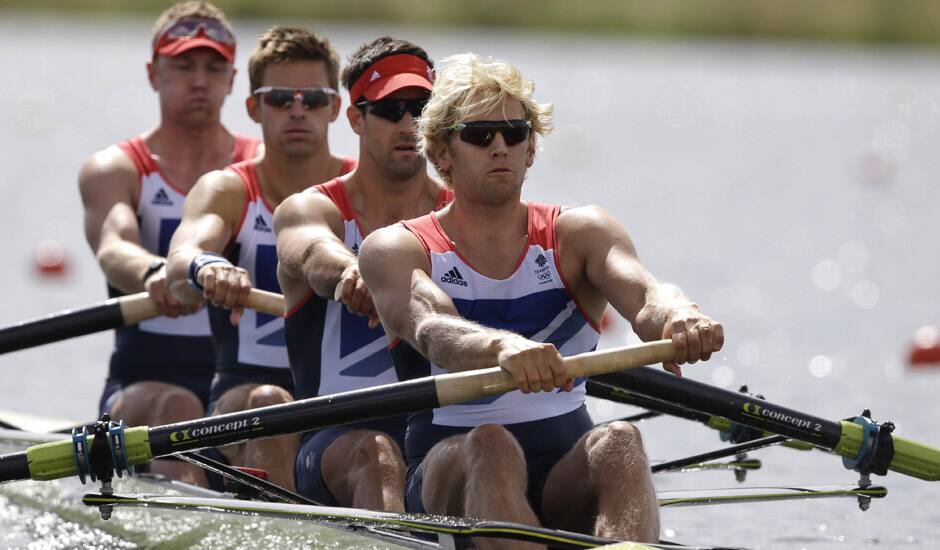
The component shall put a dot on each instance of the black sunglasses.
(310, 98)
(394, 109)
(482, 132)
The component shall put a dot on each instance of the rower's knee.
(378, 449)
(155, 403)
(267, 395)
(618, 443)
(491, 438)
(491, 444)
(177, 405)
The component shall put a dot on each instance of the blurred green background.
(883, 21)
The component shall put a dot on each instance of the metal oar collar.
(877, 449)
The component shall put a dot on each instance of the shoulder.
(591, 229)
(307, 207)
(219, 191)
(109, 166)
(392, 243)
(221, 182)
(391, 253)
(583, 219)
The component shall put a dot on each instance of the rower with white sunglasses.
(225, 244)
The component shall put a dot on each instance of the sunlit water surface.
(790, 190)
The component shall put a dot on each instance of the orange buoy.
(50, 258)
(925, 349)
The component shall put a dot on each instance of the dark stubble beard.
(403, 170)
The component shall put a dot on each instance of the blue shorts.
(225, 380)
(307, 474)
(544, 442)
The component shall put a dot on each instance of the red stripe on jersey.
(542, 224)
(336, 191)
(246, 171)
(137, 151)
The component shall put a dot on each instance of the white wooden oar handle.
(460, 387)
(138, 307)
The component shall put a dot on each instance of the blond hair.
(468, 86)
(281, 44)
(188, 10)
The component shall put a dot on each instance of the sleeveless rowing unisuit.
(332, 350)
(255, 351)
(177, 351)
(533, 302)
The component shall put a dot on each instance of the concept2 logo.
(215, 431)
(760, 412)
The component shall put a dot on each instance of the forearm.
(662, 300)
(457, 344)
(124, 263)
(320, 265)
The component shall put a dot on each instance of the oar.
(622, 394)
(113, 313)
(142, 444)
(737, 495)
(846, 438)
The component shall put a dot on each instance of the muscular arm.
(108, 183)
(395, 267)
(599, 258)
(311, 252)
(309, 244)
(212, 210)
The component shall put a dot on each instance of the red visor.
(187, 34)
(390, 74)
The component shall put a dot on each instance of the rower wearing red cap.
(225, 243)
(133, 194)
(333, 337)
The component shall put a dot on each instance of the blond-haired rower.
(493, 280)
(225, 243)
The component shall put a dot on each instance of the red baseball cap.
(183, 35)
(392, 73)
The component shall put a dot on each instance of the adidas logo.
(453, 277)
(260, 225)
(355, 249)
(541, 260)
(375, 76)
(161, 198)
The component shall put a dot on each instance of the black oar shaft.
(60, 326)
(110, 314)
(298, 416)
(597, 388)
(141, 444)
(738, 407)
(14, 466)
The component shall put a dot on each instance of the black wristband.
(154, 266)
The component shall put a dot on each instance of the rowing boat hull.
(52, 514)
